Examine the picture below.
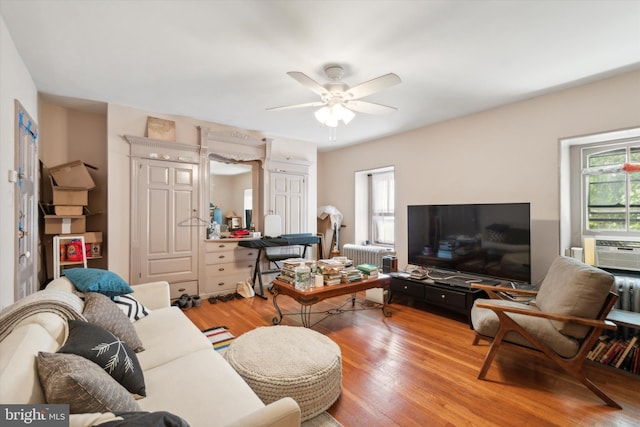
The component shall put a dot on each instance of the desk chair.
(565, 321)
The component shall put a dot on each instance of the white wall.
(508, 154)
(122, 120)
(15, 83)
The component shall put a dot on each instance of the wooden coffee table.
(307, 298)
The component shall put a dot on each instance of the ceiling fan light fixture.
(330, 116)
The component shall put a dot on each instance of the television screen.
(485, 239)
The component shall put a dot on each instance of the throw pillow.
(145, 419)
(131, 307)
(80, 383)
(573, 288)
(100, 310)
(107, 351)
(96, 280)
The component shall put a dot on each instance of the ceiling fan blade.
(372, 86)
(369, 107)
(290, 107)
(308, 82)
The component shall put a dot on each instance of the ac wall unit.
(618, 252)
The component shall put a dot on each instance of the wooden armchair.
(565, 321)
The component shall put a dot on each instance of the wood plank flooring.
(418, 368)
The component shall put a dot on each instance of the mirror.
(231, 188)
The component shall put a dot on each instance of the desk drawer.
(413, 289)
(225, 281)
(237, 255)
(445, 298)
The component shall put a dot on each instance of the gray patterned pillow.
(83, 385)
(100, 310)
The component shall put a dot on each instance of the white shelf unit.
(57, 264)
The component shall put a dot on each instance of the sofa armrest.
(153, 295)
(281, 413)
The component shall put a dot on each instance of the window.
(611, 190)
(381, 207)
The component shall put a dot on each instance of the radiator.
(628, 289)
(366, 254)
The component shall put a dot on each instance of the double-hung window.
(611, 198)
(381, 207)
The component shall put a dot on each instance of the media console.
(455, 298)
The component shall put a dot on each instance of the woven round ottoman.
(281, 361)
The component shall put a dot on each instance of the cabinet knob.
(181, 290)
(220, 256)
(221, 269)
(221, 245)
(406, 287)
(221, 284)
(443, 296)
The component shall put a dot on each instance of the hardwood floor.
(419, 368)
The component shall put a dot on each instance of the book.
(368, 268)
(616, 348)
(626, 351)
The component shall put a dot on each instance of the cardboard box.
(161, 129)
(54, 224)
(73, 176)
(68, 210)
(92, 236)
(66, 197)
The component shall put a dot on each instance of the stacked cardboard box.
(66, 214)
(70, 185)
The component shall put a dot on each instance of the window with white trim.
(381, 207)
(611, 188)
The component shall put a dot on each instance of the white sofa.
(182, 373)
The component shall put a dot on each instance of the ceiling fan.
(338, 100)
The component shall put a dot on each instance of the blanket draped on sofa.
(65, 304)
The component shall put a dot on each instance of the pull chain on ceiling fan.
(337, 100)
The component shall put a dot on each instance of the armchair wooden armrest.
(493, 290)
(605, 324)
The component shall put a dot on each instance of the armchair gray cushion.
(576, 289)
(486, 322)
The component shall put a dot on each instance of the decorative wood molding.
(285, 164)
(232, 145)
(288, 165)
(150, 148)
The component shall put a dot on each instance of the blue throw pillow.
(96, 280)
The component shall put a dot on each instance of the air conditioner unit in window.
(618, 252)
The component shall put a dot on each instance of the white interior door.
(289, 200)
(168, 221)
(26, 197)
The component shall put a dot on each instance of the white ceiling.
(226, 61)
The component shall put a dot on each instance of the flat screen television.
(482, 239)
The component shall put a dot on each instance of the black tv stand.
(441, 293)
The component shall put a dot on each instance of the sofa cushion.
(110, 353)
(575, 289)
(179, 337)
(212, 383)
(80, 383)
(486, 322)
(97, 280)
(19, 382)
(99, 309)
(131, 307)
(144, 419)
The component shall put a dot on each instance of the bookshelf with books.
(620, 349)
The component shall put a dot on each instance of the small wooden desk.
(308, 298)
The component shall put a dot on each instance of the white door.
(289, 200)
(166, 222)
(26, 237)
